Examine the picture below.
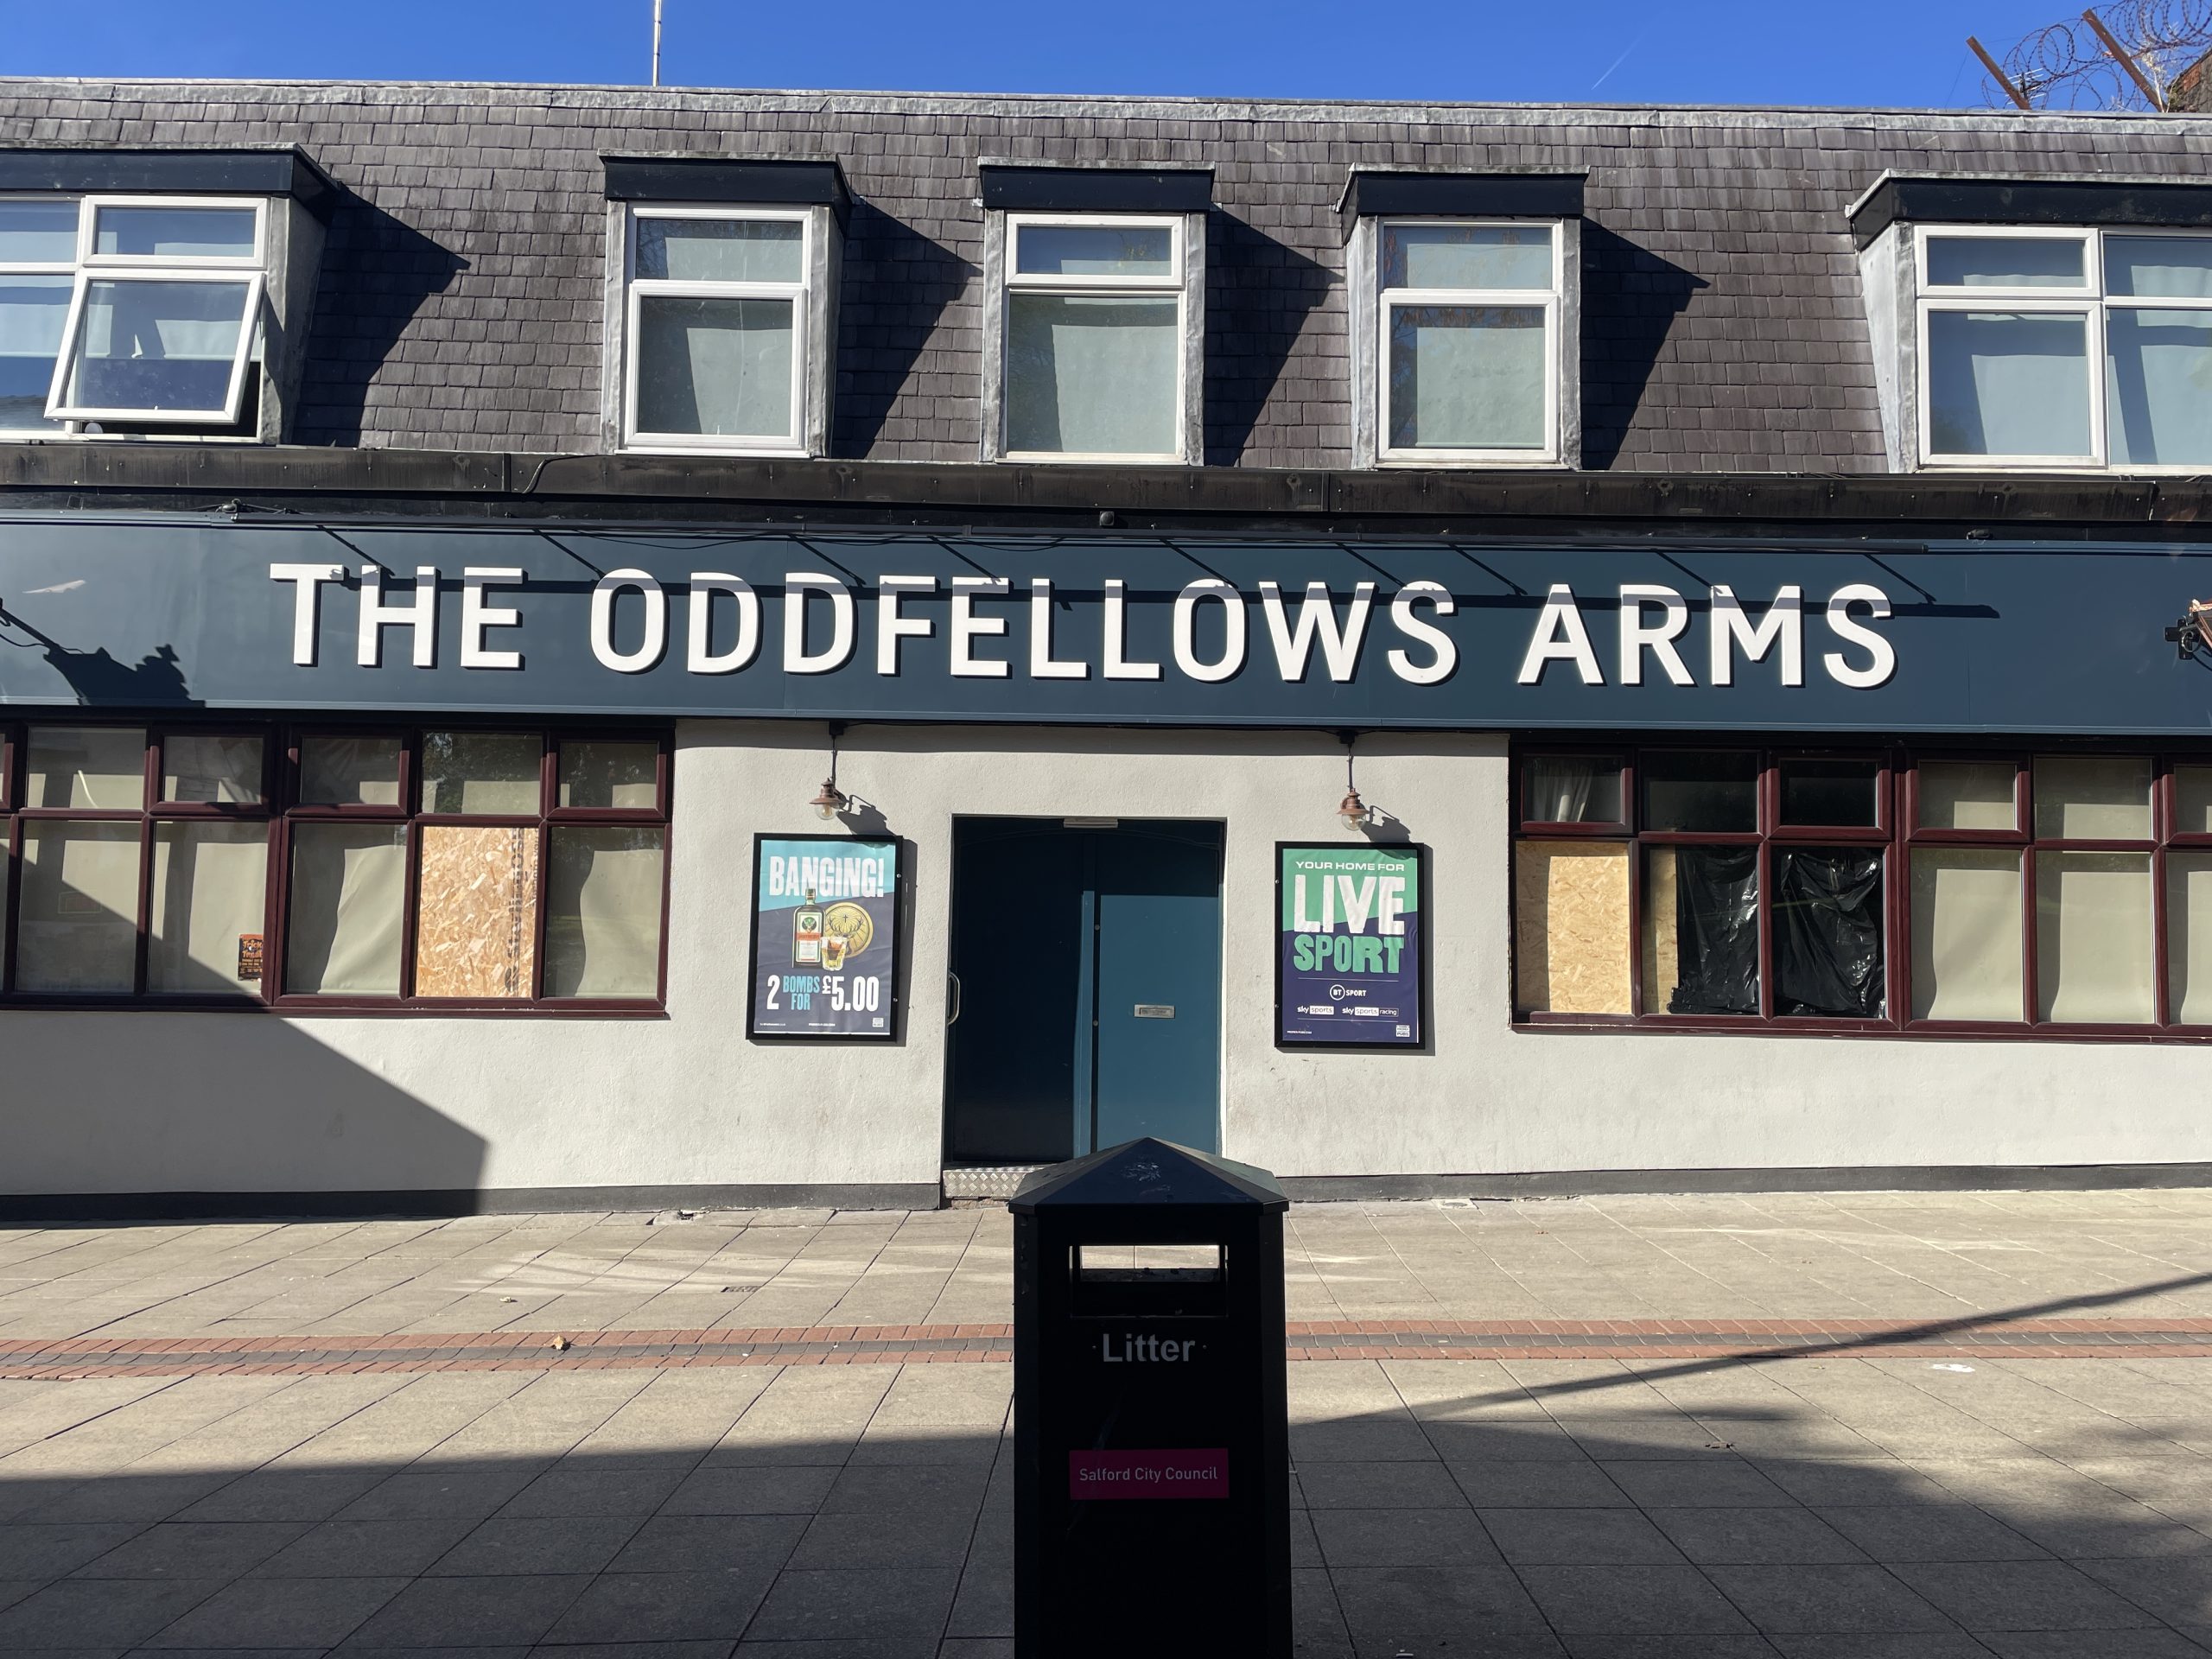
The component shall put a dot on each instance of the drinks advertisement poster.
(1348, 968)
(825, 931)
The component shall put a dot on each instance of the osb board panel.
(1662, 960)
(476, 934)
(1572, 902)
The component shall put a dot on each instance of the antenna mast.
(657, 42)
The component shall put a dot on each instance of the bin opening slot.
(1157, 1264)
(1119, 1281)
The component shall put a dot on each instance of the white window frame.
(87, 234)
(1549, 300)
(1171, 286)
(88, 267)
(2091, 299)
(635, 288)
(44, 268)
(241, 354)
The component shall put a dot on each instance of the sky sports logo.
(1324, 1011)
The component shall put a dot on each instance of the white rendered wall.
(161, 1101)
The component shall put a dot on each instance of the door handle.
(952, 996)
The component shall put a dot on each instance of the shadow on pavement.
(1890, 1335)
(856, 1512)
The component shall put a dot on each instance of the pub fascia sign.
(819, 632)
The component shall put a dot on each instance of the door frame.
(1087, 1078)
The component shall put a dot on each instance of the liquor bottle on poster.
(806, 933)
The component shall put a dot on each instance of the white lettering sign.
(308, 580)
(478, 619)
(703, 658)
(1654, 638)
(419, 616)
(797, 584)
(1186, 626)
(891, 626)
(654, 638)
(1560, 636)
(967, 628)
(1317, 619)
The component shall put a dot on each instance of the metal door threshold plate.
(988, 1180)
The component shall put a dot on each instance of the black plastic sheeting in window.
(1716, 930)
(1827, 931)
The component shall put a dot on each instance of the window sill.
(1454, 460)
(732, 451)
(75, 438)
(386, 1008)
(1969, 464)
(330, 1008)
(1913, 1030)
(1032, 458)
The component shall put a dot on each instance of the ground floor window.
(431, 866)
(1865, 888)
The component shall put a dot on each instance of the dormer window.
(154, 293)
(717, 322)
(724, 338)
(1094, 338)
(1470, 326)
(2066, 347)
(165, 312)
(126, 310)
(2040, 323)
(1097, 298)
(1465, 348)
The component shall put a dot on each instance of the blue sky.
(1780, 52)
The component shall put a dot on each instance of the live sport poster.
(1348, 968)
(825, 936)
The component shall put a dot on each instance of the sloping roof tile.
(466, 259)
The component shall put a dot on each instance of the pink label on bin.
(1197, 1473)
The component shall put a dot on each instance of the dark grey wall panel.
(1474, 195)
(1097, 189)
(285, 171)
(717, 179)
(1986, 637)
(2030, 202)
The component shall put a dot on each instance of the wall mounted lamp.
(1356, 813)
(832, 800)
(2193, 628)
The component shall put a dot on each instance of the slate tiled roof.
(461, 289)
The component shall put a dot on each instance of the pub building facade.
(607, 648)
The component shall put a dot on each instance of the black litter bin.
(1152, 1461)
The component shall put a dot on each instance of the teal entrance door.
(1086, 993)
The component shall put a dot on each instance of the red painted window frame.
(281, 810)
(1897, 833)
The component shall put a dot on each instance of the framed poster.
(1350, 954)
(825, 936)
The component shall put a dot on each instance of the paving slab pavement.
(1752, 1497)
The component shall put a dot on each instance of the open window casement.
(141, 314)
(165, 313)
(156, 347)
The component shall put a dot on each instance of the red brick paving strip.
(57, 1358)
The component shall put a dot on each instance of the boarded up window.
(1572, 949)
(476, 928)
